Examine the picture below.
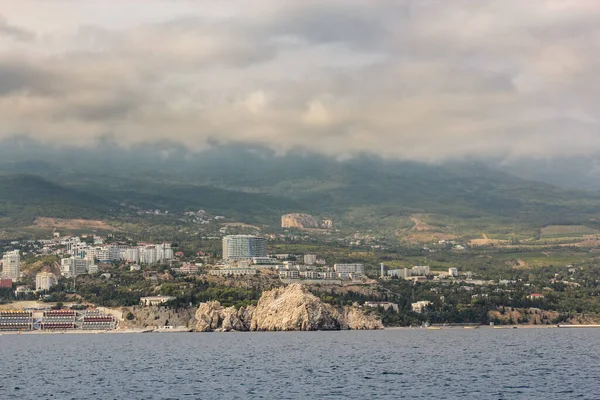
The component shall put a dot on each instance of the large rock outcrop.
(300, 221)
(291, 308)
(211, 316)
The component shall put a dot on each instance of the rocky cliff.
(142, 317)
(292, 308)
(300, 221)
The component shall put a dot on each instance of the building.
(453, 272)
(189, 269)
(132, 255)
(6, 283)
(420, 270)
(402, 273)
(164, 252)
(233, 271)
(21, 291)
(354, 269)
(243, 247)
(11, 265)
(148, 255)
(73, 266)
(264, 261)
(386, 305)
(535, 296)
(45, 281)
(420, 306)
(311, 274)
(289, 274)
(155, 300)
(310, 259)
(135, 267)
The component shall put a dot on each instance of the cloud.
(421, 80)
(14, 32)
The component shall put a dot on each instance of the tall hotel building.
(11, 265)
(242, 247)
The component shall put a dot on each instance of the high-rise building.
(73, 266)
(44, 281)
(11, 265)
(148, 255)
(132, 255)
(164, 252)
(243, 247)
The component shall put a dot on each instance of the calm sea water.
(412, 364)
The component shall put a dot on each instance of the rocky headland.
(290, 308)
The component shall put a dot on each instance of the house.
(386, 305)
(535, 296)
(420, 306)
(155, 300)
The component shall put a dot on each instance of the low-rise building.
(386, 305)
(189, 269)
(420, 270)
(155, 300)
(23, 290)
(6, 283)
(264, 260)
(358, 269)
(310, 259)
(289, 274)
(232, 271)
(420, 306)
(310, 274)
(535, 296)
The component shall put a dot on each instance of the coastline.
(390, 328)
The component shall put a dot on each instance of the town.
(93, 273)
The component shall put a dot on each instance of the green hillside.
(257, 186)
(25, 197)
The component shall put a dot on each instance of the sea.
(389, 364)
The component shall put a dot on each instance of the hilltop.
(24, 197)
(258, 187)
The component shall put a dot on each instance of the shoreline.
(390, 328)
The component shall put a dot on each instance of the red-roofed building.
(6, 283)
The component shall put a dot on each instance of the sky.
(420, 80)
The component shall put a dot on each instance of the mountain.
(257, 185)
(24, 197)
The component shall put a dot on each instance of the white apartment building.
(354, 269)
(148, 255)
(310, 259)
(243, 247)
(45, 281)
(402, 273)
(73, 266)
(420, 270)
(453, 272)
(11, 265)
(164, 252)
(132, 255)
